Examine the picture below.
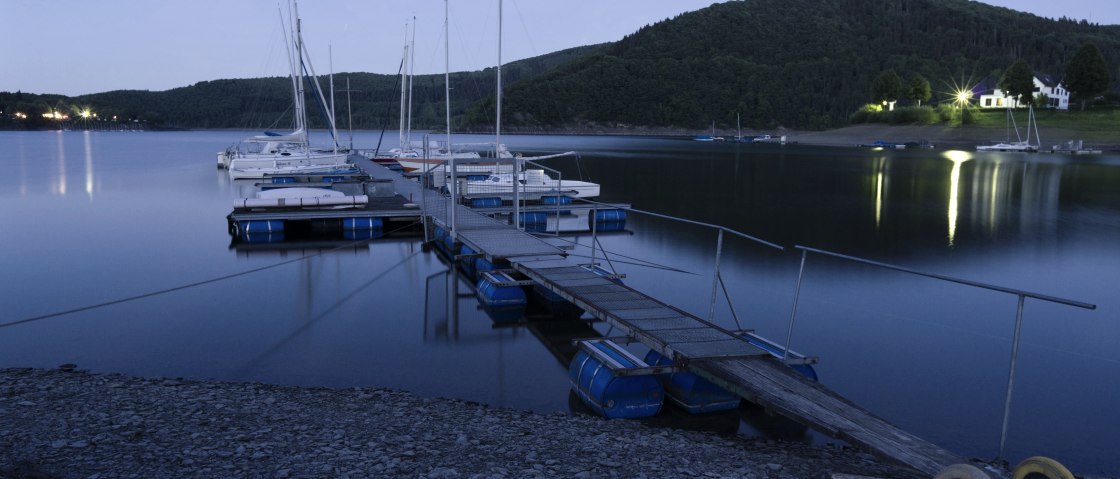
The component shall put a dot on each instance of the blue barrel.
(607, 220)
(556, 200)
(477, 177)
(604, 216)
(439, 235)
(494, 296)
(260, 226)
(534, 220)
(614, 397)
(450, 246)
(482, 265)
(333, 179)
(468, 263)
(283, 179)
(490, 202)
(691, 392)
(367, 223)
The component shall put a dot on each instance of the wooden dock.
(706, 349)
(726, 359)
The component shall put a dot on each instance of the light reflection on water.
(929, 356)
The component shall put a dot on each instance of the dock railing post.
(1011, 375)
(793, 314)
(715, 277)
(594, 238)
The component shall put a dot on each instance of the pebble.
(187, 428)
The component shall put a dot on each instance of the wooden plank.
(692, 335)
(654, 324)
(713, 349)
(768, 382)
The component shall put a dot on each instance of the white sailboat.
(1020, 145)
(270, 154)
(422, 156)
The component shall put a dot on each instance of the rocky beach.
(74, 424)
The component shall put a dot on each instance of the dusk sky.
(75, 47)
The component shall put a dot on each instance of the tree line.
(804, 64)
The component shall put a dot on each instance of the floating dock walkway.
(729, 361)
(714, 353)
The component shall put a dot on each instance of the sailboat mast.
(411, 65)
(447, 71)
(404, 72)
(301, 108)
(330, 66)
(291, 64)
(498, 121)
(447, 110)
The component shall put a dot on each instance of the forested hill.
(796, 63)
(263, 103)
(802, 64)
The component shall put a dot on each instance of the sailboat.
(428, 154)
(291, 153)
(1020, 145)
(711, 137)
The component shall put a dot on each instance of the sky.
(74, 47)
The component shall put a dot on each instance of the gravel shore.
(74, 424)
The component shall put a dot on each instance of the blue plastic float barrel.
(534, 220)
(283, 179)
(260, 226)
(367, 223)
(482, 265)
(492, 295)
(607, 220)
(692, 393)
(614, 396)
(468, 263)
(489, 202)
(477, 177)
(333, 179)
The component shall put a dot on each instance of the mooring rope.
(189, 285)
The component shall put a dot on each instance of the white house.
(1056, 94)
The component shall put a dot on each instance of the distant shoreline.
(942, 137)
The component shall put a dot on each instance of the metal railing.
(1021, 294)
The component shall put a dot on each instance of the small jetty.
(702, 366)
(723, 357)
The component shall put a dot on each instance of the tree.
(1018, 81)
(917, 89)
(886, 88)
(1086, 74)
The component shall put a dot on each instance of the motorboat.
(531, 183)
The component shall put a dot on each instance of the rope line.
(186, 286)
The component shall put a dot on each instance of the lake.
(93, 217)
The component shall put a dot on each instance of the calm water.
(93, 217)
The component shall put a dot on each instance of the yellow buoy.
(1038, 467)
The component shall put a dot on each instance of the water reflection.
(60, 186)
(89, 164)
(958, 158)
